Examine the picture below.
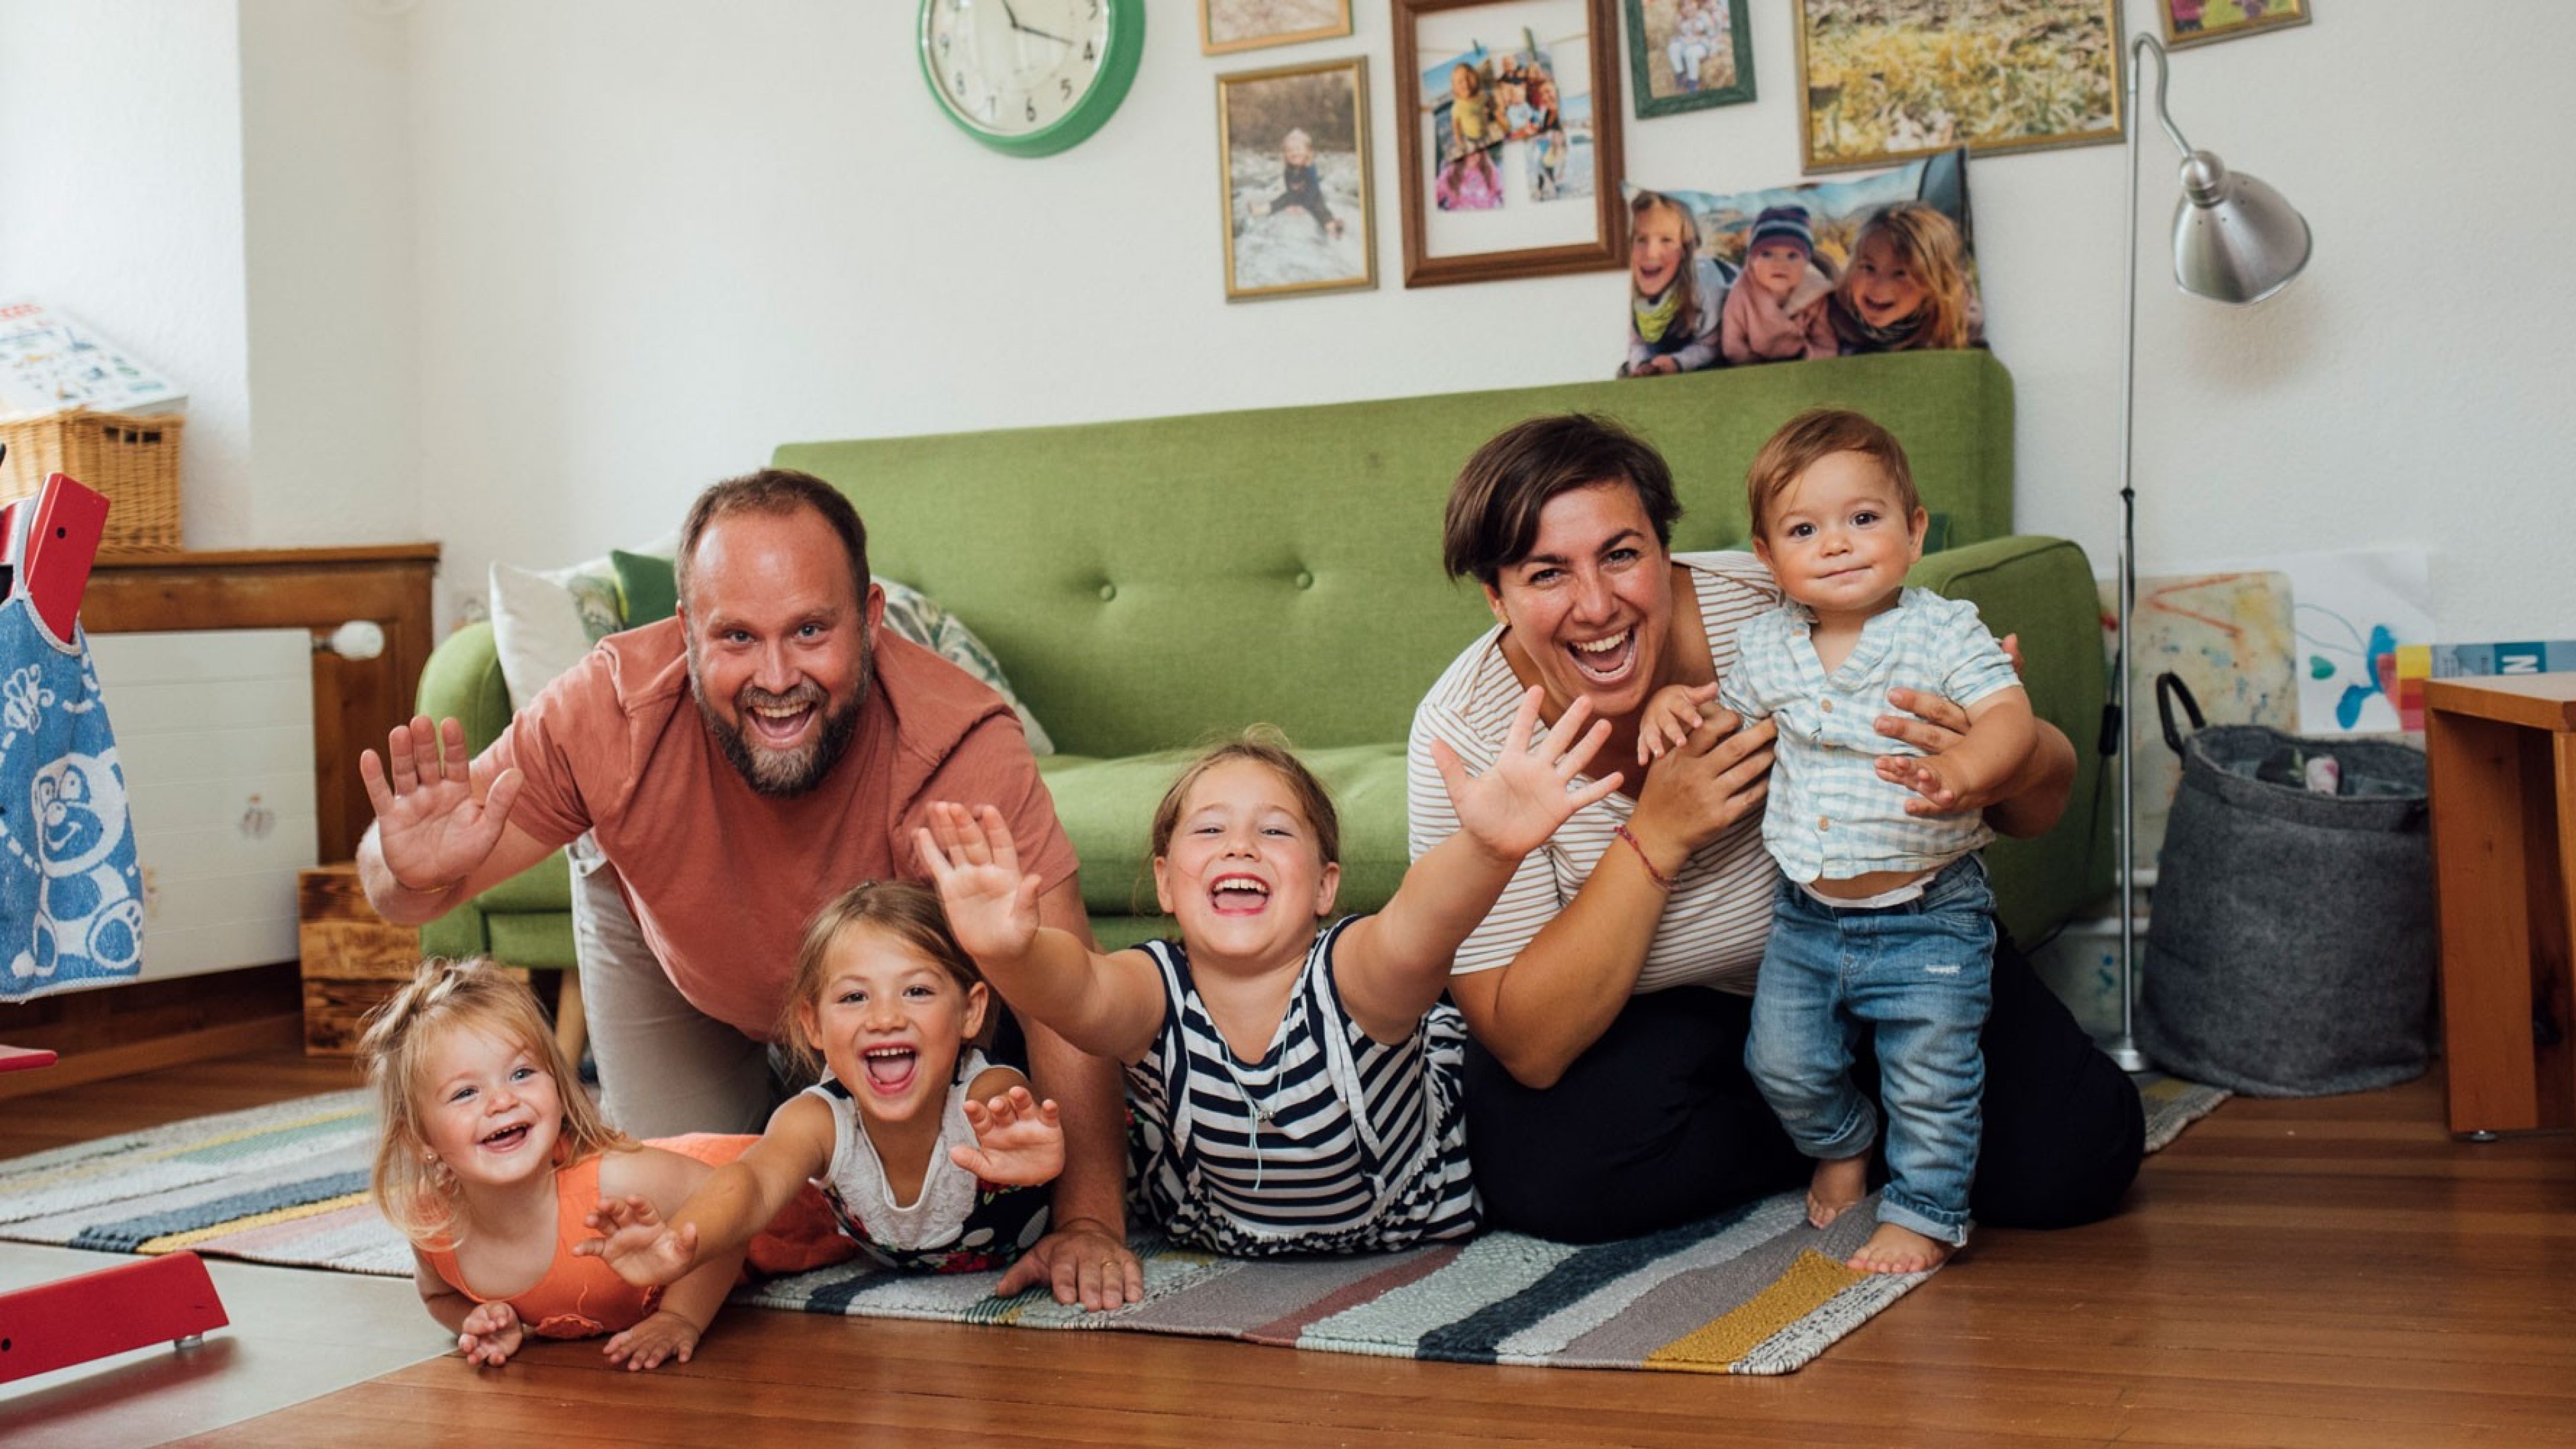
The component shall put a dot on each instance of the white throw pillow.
(542, 623)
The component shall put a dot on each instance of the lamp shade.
(2235, 239)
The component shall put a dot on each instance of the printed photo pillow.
(1886, 263)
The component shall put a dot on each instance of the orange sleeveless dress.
(583, 1297)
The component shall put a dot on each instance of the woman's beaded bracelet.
(1660, 879)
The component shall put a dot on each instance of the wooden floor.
(2327, 1272)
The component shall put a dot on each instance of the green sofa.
(1149, 585)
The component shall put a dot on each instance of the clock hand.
(1014, 17)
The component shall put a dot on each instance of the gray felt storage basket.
(2292, 948)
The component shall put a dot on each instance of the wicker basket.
(134, 461)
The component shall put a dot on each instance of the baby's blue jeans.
(1916, 977)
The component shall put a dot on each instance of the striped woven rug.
(1755, 1291)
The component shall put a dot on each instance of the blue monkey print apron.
(71, 902)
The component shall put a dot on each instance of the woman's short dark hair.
(1494, 506)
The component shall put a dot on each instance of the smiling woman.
(1607, 989)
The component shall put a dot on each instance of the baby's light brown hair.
(908, 912)
(1816, 434)
(423, 1203)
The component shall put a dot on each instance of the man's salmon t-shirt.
(722, 878)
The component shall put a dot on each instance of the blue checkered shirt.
(1829, 815)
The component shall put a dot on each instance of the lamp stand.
(2123, 1049)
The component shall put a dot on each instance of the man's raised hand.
(430, 827)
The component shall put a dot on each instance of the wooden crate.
(353, 959)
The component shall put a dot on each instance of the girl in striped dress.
(1295, 1089)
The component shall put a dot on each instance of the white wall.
(522, 278)
(657, 240)
(334, 337)
(120, 203)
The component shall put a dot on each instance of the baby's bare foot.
(1899, 1250)
(1839, 1184)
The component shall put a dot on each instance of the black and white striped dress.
(1331, 1143)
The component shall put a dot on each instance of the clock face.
(1030, 76)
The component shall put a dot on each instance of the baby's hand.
(1669, 718)
(1019, 1141)
(490, 1334)
(991, 906)
(637, 1243)
(1937, 781)
(664, 1336)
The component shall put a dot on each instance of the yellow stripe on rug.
(173, 1242)
(1808, 1283)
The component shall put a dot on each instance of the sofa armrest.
(463, 680)
(2043, 590)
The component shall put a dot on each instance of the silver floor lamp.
(2235, 241)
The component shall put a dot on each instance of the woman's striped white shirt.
(1719, 914)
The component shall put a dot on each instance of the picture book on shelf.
(50, 361)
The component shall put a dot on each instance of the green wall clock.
(1030, 77)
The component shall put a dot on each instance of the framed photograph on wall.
(1507, 120)
(1293, 165)
(2198, 22)
(1231, 25)
(1995, 76)
(1685, 54)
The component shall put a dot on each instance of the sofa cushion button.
(1108, 592)
(1305, 580)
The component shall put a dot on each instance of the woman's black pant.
(1658, 1124)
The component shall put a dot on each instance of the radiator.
(215, 732)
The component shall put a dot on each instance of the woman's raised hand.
(991, 905)
(430, 827)
(1514, 807)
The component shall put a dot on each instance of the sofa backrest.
(1145, 583)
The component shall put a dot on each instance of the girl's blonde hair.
(908, 912)
(416, 1193)
(1263, 745)
(1926, 242)
(1685, 276)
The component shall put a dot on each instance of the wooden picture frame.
(1223, 30)
(1450, 237)
(1856, 71)
(1318, 234)
(2275, 15)
(1654, 46)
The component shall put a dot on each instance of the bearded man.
(726, 773)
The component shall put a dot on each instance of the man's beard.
(781, 773)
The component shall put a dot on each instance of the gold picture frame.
(1227, 26)
(1286, 233)
(1858, 66)
(2211, 21)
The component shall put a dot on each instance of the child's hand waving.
(490, 1334)
(1669, 718)
(1514, 807)
(1019, 1142)
(991, 906)
(638, 1244)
